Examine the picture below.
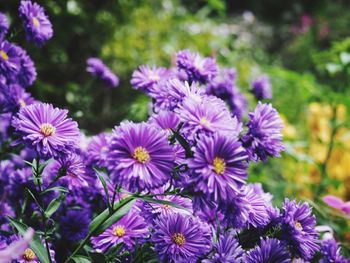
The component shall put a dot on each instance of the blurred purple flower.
(97, 150)
(261, 88)
(4, 26)
(37, 25)
(330, 251)
(145, 77)
(97, 68)
(338, 204)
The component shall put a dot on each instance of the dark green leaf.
(98, 258)
(54, 205)
(81, 259)
(43, 165)
(36, 245)
(34, 198)
(56, 188)
(103, 181)
(183, 143)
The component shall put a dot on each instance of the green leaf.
(164, 202)
(56, 188)
(105, 214)
(81, 259)
(183, 143)
(43, 165)
(36, 245)
(118, 214)
(98, 258)
(54, 205)
(34, 198)
(104, 184)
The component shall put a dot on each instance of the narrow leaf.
(183, 143)
(36, 245)
(54, 205)
(56, 188)
(164, 202)
(81, 259)
(104, 184)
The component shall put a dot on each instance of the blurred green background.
(303, 45)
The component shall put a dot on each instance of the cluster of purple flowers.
(185, 168)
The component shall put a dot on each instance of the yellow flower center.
(119, 231)
(28, 255)
(166, 207)
(4, 55)
(298, 225)
(47, 129)
(219, 165)
(141, 155)
(153, 77)
(204, 122)
(179, 239)
(22, 103)
(35, 21)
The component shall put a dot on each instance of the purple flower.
(5, 211)
(73, 171)
(207, 117)
(180, 238)
(27, 72)
(170, 94)
(238, 104)
(4, 26)
(298, 228)
(97, 68)
(166, 120)
(145, 77)
(227, 250)
(269, 250)
(264, 136)
(261, 88)
(10, 61)
(223, 84)
(75, 224)
(46, 129)
(13, 97)
(19, 249)
(97, 150)
(197, 68)
(128, 230)
(151, 210)
(37, 25)
(236, 211)
(338, 204)
(219, 166)
(140, 157)
(330, 251)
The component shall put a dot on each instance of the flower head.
(166, 120)
(179, 237)
(261, 88)
(46, 129)
(269, 250)
(298, 228)
(338, 204)
(197, 68)
(264, 137)
(97, 68)
(97, 150)
(75, 224)
(140, 157)
(10, 61)
(13, 97)
(330, 251)
(37, 25)
(145, 77)
(219, 166)
(128, 230)
(226, 250)
(207, 116)
(4, 26)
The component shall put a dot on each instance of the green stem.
(38, 179)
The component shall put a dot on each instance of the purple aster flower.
(219, 166)
(208, 214)
(257, 206)
(227, 250)
(197, 68)
(264, 137)
(75, 224)
(4, 26)
(150, 211)
(337, 203)
(13, 97)
(261, 88)
(180, 238)
(5, 211)
(238, 104)
(170, 94)
(140, 156)
(298, 228)
(37, 25)
(223, 84)
(46, 129)
(145, 77)
(97, 68)
(18, 180)
(27, 72)
(10, 61)
(97, 150)
(128, 230)
(236, 212)
(166, 120)
(73, 171)
(207, 116)
(330, 251)
(19, 249)
(269, 250)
